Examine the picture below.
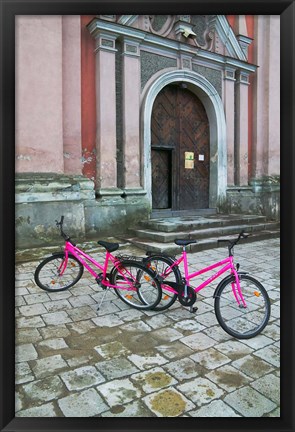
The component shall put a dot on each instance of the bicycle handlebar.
(232, 243)
(59, 225)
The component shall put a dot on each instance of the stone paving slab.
(73, 360)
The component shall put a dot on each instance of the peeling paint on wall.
(88, 160)
(214, 158)
(21, 220)
(23, 157)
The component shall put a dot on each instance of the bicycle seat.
(110, 247)
(182, 242)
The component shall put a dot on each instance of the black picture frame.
(8, 10)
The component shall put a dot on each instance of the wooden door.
(193, 138)
(161, 179)
(180, 136)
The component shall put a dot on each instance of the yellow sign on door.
(189, 160)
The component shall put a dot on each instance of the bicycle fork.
(236, 288)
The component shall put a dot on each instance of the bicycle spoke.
(161, 265)
(54, 274)
(135, 285)
(237, 320)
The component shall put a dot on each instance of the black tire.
(160, 264)
(139, 288)
(237, 321)
(46, 274)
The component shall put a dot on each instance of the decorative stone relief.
(161, 24)
(131, 48)
(243, 78)
(229, 74)
(185, 18)
(186, 63)
(107, 17)
(204, 28)
(218, 48)
(146, 23)
(107, 43)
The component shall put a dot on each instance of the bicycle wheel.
(239, 321)
(161, 265)
(136, 285)
(48, 273)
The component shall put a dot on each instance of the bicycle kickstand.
(193, 309)
(102, 298)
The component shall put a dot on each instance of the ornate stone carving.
(204, 28)
(107, 17)
(161, 24)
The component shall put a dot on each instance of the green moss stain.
(168, 404)
(158, 379)
(113, 349)
(210, 393)
(128, 394)
(117, 409)
(231, 379)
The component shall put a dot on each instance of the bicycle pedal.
(193, 309)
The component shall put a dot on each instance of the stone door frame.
(212, 102)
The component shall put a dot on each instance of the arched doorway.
(180, 150)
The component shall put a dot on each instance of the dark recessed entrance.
(180, 151)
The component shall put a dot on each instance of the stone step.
(202, 244)
(191, 223)
(159, 214)
(168, 237)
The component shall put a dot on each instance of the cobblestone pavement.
(72, 361)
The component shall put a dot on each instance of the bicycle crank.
(187, 298)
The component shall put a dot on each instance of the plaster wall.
(131, 109)
(106, 119)
(229, 108)
(266, 89)
(241, 135)
(71, 80)
(274, 97)
(38, 61)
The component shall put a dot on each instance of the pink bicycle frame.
(78, 253)
(228, 265)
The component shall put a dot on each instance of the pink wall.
(266, 100)
(88, 99)
(48, 94)
(56, 97)
(39, 128)
(71, 60)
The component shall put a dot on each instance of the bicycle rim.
(235, 319)
(51, 275)
(136, 285)
(160, 265)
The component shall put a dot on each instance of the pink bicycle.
(242, 305)
(132, 281)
